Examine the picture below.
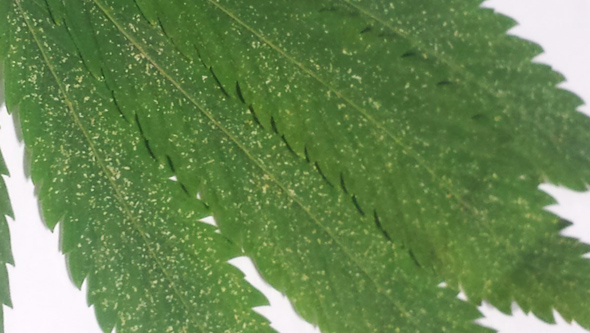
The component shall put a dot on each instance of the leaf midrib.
(284, 189)
(107, 172)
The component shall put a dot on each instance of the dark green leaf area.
(427, 114)
(5, 251)
(307, 237)
(5, 208)
(129, 231)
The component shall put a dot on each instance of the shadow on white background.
(46, 301)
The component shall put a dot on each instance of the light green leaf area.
(94, 135)
(360, 152)
(5, 251)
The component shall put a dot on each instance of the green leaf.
(134, 235)
(99, 135)
(5, 252)
(360, 152)
(5, 209)
(437, 124)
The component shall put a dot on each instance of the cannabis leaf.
(141, 252)
(360, 152)
(5, 253)
(5, 209)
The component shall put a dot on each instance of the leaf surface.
(428, 116)
(129, 231)
(5, 252)
(360, 152)
(5, 208)
(118, 106)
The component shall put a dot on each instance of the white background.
(46, 301)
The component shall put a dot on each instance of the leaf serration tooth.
(317, 166)
(367, 29)
(117, 106)
(357, 205)
(307, 159)
(171, 40)
(342, 183)
(273, 124)
(380, 226)
(256, 120)
(79, 52)
(170, 164)
(149, 149)
(200, 57)
(411, 253)
(239, 92)
(142, 13)
(184, 189)
(218, 82)
(50, 13)
(288, 145)
(139, 125)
